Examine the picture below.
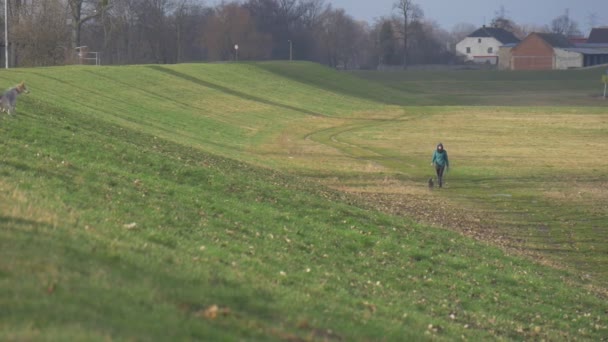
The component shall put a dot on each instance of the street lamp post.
(6, 34)
(236, 52)
(290, 50)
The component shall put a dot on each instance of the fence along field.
(137, 179)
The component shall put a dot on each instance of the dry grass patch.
(17, 204)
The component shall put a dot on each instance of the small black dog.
(431, 184)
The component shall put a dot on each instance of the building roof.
(589, 51)
(592, 46)
(556, 40)
(578, 40)
(500, 34)
(598, 35)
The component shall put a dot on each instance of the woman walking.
(440, 162)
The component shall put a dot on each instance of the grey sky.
(449, 13)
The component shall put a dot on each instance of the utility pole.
(6, 34)
(605, 80)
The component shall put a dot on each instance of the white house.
(482, 46)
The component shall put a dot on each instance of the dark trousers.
(440, 169)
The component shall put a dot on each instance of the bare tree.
(188, 19)
(525, 29)
(409, 12)
(83, 11)
(180, 14)
(460, 31)
(565, 25)
(284, 20)
(148, 31)
(233, 25)
(592, 20)
(313, 10)
(501, 20)
(302, 32)
(118, 24)
(386, 43)
(40, 34)
(430, 43)
(339, 39)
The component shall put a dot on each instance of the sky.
(478, 12)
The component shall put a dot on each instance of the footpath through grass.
(127, 211)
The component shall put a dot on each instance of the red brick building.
(537, 51)
(551, 51)
(598, 35)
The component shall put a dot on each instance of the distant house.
(598, 36)
(482, 45)
(591, 54)
(551, 51)
(538, 51)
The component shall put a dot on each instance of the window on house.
(490, 50)
(468, 50)
(479, 40)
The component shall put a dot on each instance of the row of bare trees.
(562, 24)
(48, 32)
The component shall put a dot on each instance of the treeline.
(47, 32)
(50, 32)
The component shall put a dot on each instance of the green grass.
(134, 199)
(504, 88)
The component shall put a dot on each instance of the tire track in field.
(331, 136)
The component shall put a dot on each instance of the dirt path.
(437, 211)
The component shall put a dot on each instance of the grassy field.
(286, 201)
(499, 88)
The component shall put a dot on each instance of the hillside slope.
(580, 87)
(131, 208)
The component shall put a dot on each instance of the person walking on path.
(440, 162)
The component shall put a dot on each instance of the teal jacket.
(441, 158)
